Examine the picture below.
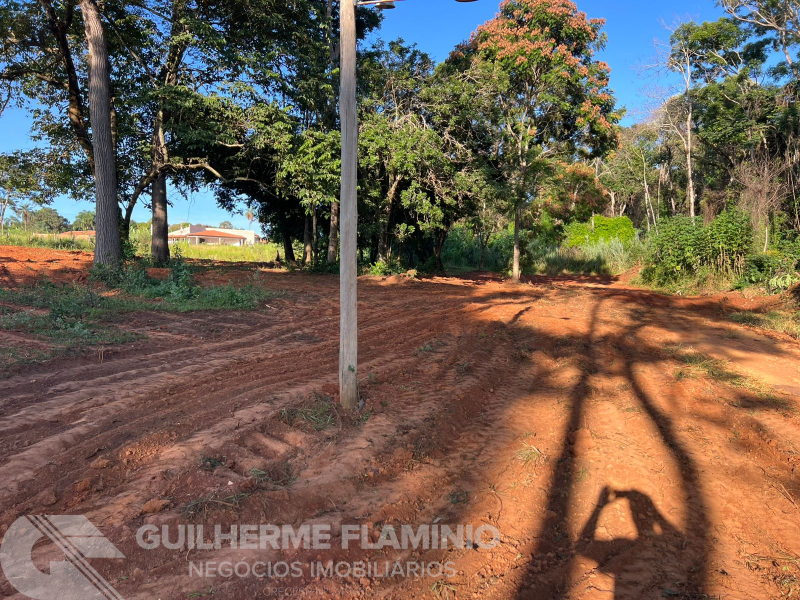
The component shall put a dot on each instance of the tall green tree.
(40, 60)
(778, 20)
(22, 179)
(108, 248)
(536, 60)
(84, 221)
(48, 220)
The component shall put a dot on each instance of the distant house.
(196, 235)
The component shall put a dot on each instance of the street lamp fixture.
(381, 4)
(348, 265)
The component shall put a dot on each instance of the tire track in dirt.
(154, 380)
(466, 376)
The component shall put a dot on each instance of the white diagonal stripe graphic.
(75, 556)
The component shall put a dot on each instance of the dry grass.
(781, 321)
(761, 395)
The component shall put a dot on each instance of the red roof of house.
(216, 234)
(176, 236)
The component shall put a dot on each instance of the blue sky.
(436, 26)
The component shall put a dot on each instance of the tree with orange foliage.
(551, 97)
(573, 192)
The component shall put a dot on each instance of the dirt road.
(594, 425)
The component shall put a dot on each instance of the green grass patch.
(319, 412)
(426, 349)
(66, 323)
(32, 240)
(783, 322)
(762, 395)
(71, 317)
(66, 331)
(259, 253)
(179, 292)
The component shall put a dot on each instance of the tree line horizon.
(519, 125)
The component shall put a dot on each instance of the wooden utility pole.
(348, 311)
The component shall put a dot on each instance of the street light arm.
(378, 3)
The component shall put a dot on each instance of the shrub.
(385, 268)
(682, 247)
(728, 240)
(599, 229)
(776, 272)
(601, 258)
(462, 249)
(674, 250)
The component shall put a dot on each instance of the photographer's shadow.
(632, 562)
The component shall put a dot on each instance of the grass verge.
(782, 322)
(762, 395)
(259, 253)
(64, 318)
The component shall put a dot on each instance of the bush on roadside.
(601, 258)
(775, 271)
(16, 237)
(599, 229)
(462, 250)
(682, 247)
(385, 268)
(179, 291)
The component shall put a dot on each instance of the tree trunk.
(384, 242)
(3, 214)
(168, 76)
(75, 109)
(108, 250)
(515, 268)
(159, 249)
(648, 200)
(288, 251)
(126, 221)
(333, 240)
(689, 166)
(766, 235)
(308, 254)
(314, 237)
(159, 245)
(437, 250)
(383, 237)
(483, 241)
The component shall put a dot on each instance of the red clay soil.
(22, 266)
(649, 478)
